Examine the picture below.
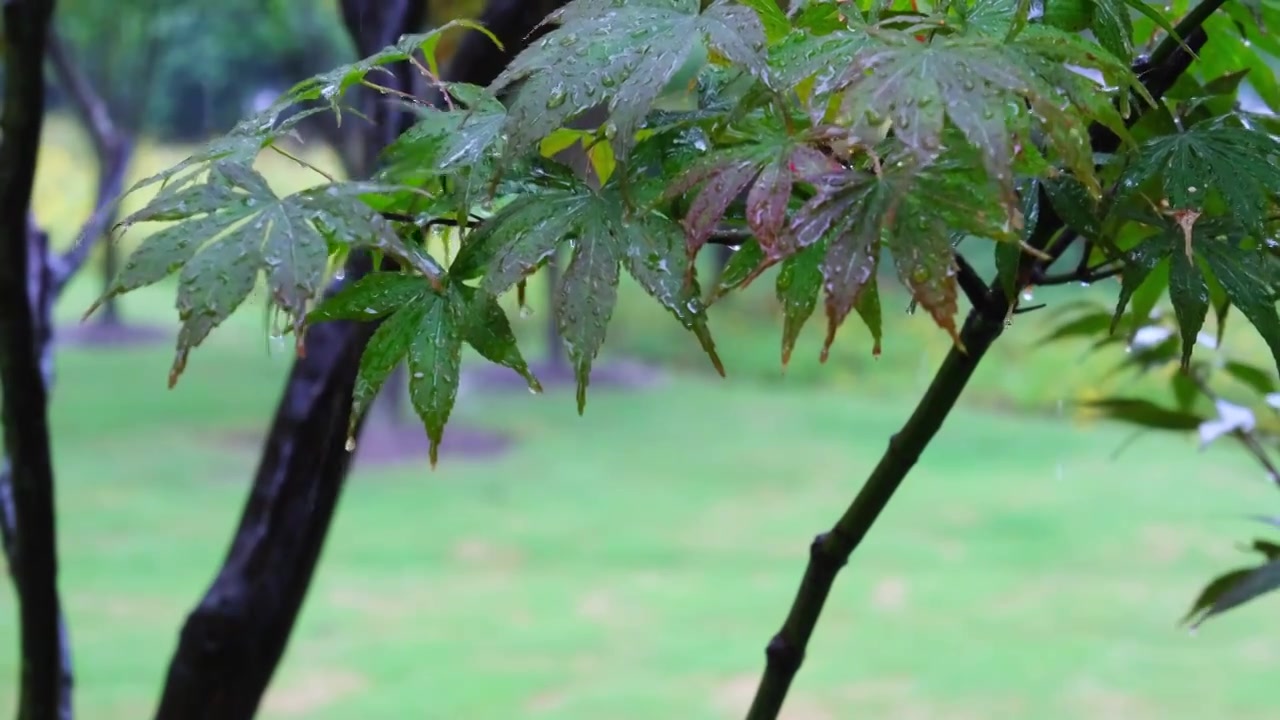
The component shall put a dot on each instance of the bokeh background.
(632, 563)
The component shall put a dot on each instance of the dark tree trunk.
(233, 640)
(24, 287)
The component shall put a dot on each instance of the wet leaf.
(602, 235)
(435, 364)
(799, 279)
(742, 263)
(1249, 278)
(985, 88)
(768, 169)
(926, 264)
(233, 227)
(1190, 297)
(488, 330)
(428, 328)
(619, 52)
(243, 143)
(1190, 169)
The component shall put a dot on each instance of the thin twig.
(1089, 275)
(722, 236)
(831, 550)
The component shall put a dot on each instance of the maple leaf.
(428, 326)
(524, 234)
(987, 89)
(1211, 169)
(622, 53)
(1249, 277)
(769, 167)
(232, 226)
(250, 136)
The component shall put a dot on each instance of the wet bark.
(27, 489)
(233, 640)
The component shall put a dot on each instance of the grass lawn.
(632, 564)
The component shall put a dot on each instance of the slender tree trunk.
(23, 276)
(233, 640)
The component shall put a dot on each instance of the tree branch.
(830, 551)
(113, 150)
(34, 560)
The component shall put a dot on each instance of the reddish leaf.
(716, 196)
(927, 268)
(767, 203)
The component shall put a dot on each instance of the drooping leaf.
(1249, 277)
(232, 227)
(619, 52)
(1235, 589)
(768, 169)
(1190, 297)
(799, 279)
(428, 327)
(1145, 413)
(518, 239)
(585, 300)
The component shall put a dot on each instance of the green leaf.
(518, 239)
(447, 142)
(742, 264)
(1140, 265)
(1233, 590)
(775, 23)
(435, 365)
(1208, 161)
(619, 52)
(1190, 297)
(243, 143)
(1113, 27)
(1259, 380)
(868, 308)
(584, 303)
(488, 330)
(985, 87)
(1145, 413)
(1249, 279)
(799, 279)
(232, 227)
(372, 297)
(428, 327)
(655, 258)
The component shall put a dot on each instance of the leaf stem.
(830, 551)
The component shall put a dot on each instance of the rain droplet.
(351, 445)
(556, 98)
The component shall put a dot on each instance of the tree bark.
(24, 411)
(232, 641)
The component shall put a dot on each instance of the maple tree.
(821, 140)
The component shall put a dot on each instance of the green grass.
(632, 564)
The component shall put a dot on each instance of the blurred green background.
(633, 563)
